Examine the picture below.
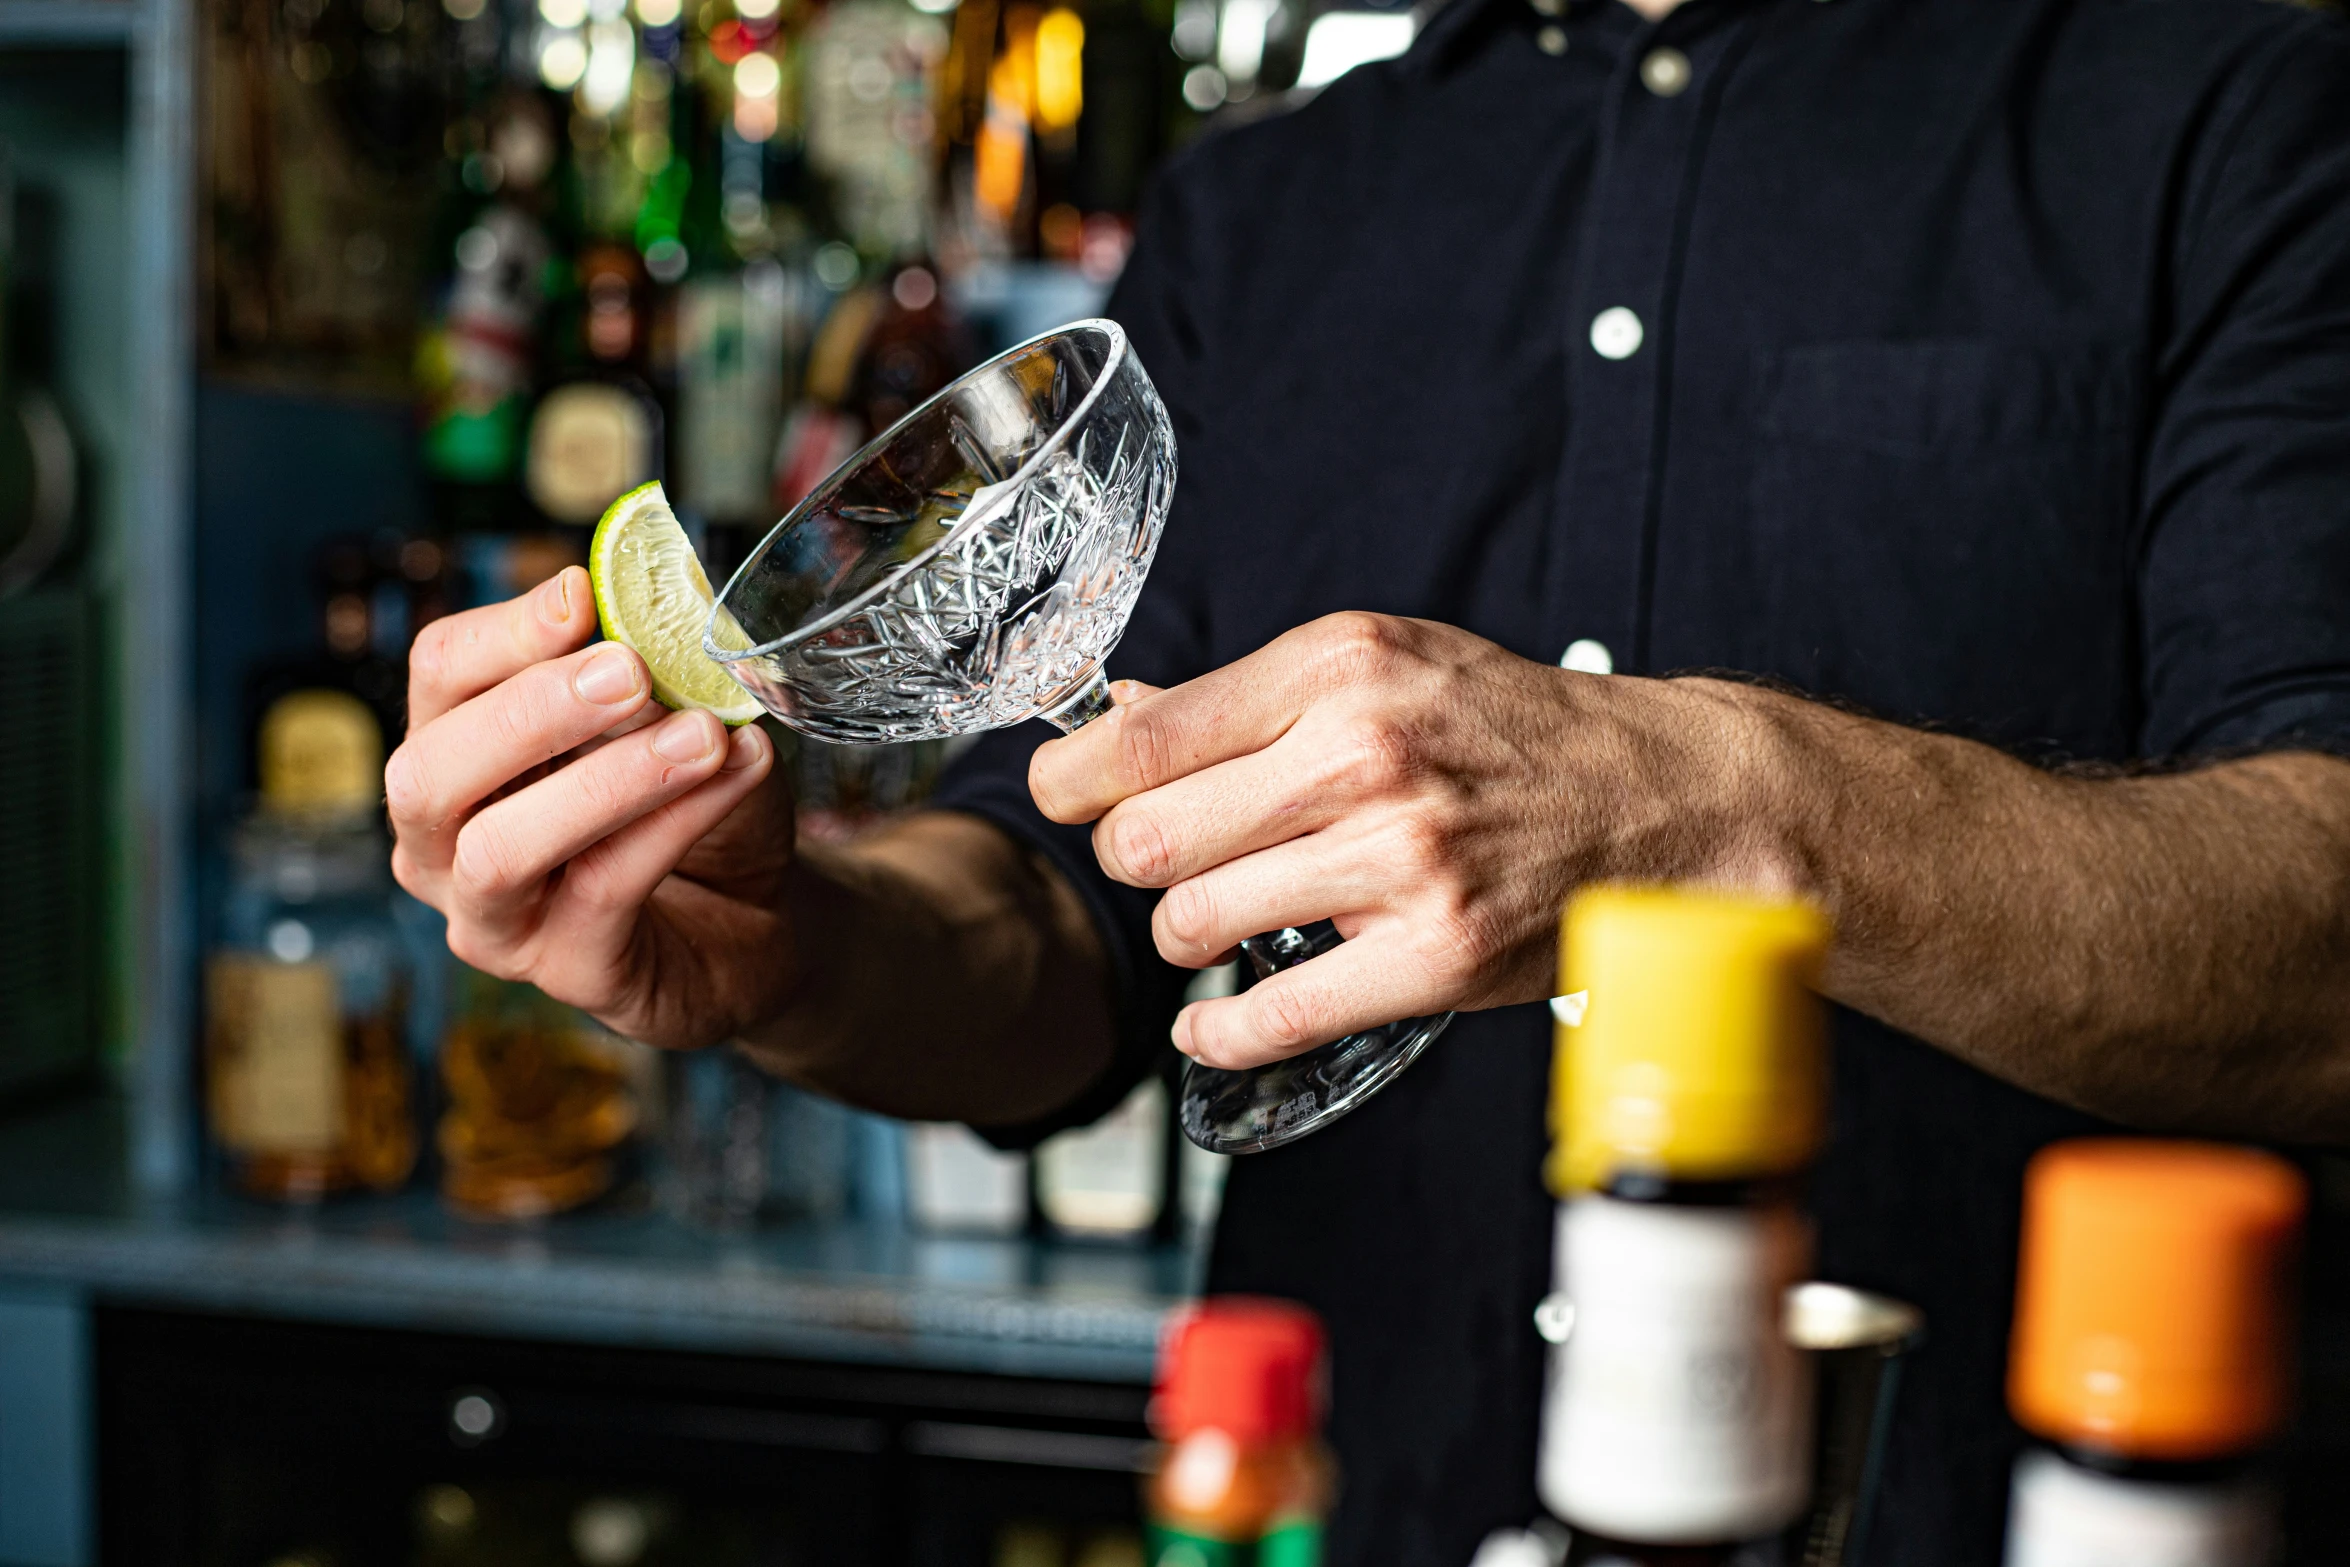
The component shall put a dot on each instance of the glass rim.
(1119, 350)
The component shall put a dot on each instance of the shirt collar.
(1444, 34)
(1456, 25)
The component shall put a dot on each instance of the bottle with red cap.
(2150, 1353)
(1245, 1480)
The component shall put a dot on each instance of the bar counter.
(626, 1274)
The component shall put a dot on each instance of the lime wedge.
(653, 596)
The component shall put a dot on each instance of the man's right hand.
(624, 859)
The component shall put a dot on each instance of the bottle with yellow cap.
(2150, 1352)
(1687, 1103)
(308, 1087)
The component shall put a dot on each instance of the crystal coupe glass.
(970, 569)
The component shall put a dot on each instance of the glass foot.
(1082, 706)
(1266, 1106)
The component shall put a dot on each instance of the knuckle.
(1286, 1015)
(1187, 916)
(1221, 1053)
(513, 721)
(472, 946)
(1140, 848)
(1045, 789)
(1356, 643)
(484, 862)
(1423, 845)
(611, 784)
(428, 657)
(1145, 749)
(590, 882)
(407, 791)
(1372, 755)
(1458, 940)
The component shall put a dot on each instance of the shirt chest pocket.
(1942, 529)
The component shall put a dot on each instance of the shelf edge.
(71, 23)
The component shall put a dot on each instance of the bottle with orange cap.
(1687, 1104)
(2150, 1352)
(1245, 1480)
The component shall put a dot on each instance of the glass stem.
(1087, 703)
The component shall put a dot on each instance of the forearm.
(2169, 950)
(945, 973)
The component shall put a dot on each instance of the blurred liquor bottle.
(542, 1103)
(308, 1083)
(1052, 117)
(1119, 1178)
(742, 1146)
(373, 593)
(605, 419)
(956, 1182)
(478, 357)
(599, 430)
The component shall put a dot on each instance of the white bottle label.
(2063, 1515)
(1105, 1179)
(956, 1181)
(1677, 1411)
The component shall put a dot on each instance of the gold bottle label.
(276, 1048)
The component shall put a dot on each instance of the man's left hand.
(1433, 794)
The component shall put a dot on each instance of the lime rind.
(653, 597)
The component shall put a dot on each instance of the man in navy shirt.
(1981, 370)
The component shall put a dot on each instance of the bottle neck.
(1677, 1192)
(2225, 1470)
(1210, 1486)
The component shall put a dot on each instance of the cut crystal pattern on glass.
(972, 567)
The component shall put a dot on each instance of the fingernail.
(554, 598)
(607, 678)
(1180, 1034)
(742, 749)
(682, 737)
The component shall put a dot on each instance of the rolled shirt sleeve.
(2245, 564)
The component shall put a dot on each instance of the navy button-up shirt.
(1983, 362)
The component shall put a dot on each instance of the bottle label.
(1105, 1179)
(2063, 1515)
(1677, 1411)
(1294, 1544)
(589, 442)
(276, 1047)
(956, 1181)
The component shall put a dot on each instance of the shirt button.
(1616, 333)
(1551, 40)
(1665, 72)
(1586, 657)
(1549, 7)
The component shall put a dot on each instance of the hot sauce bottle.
(1245, 1480)
(2149, 1353)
